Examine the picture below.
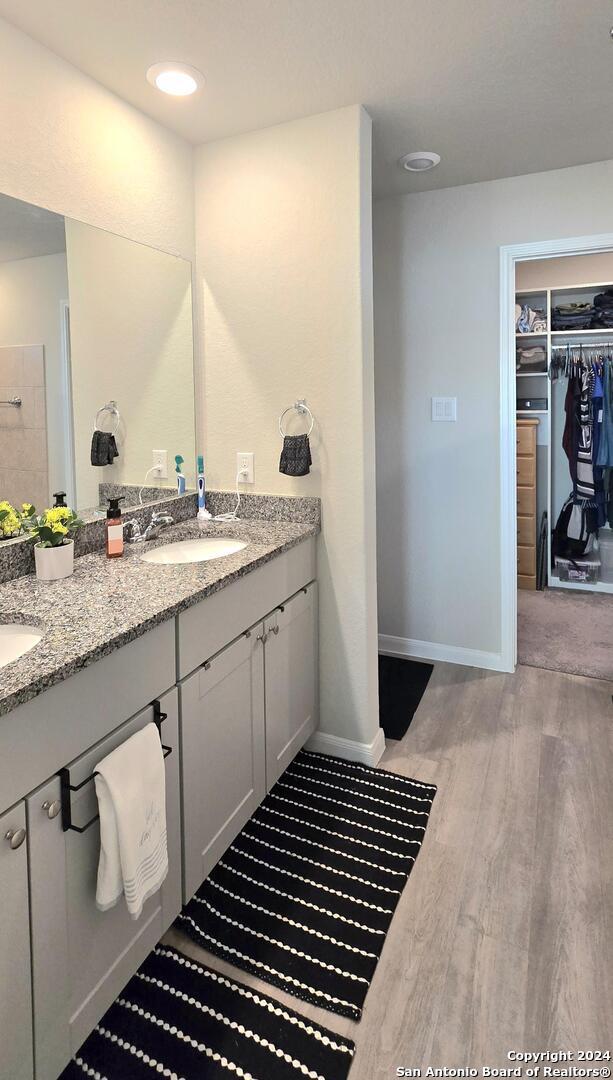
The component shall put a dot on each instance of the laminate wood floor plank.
(503, 937)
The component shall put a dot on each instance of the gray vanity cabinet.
(290, 659)
(222, 748)
(82, 957)
(15, 992)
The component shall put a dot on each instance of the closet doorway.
(562, 330)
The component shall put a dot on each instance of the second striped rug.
(304, 896)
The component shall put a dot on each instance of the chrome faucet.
(152, 531)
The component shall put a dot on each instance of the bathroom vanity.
(223, 656)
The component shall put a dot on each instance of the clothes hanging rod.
(584, 345)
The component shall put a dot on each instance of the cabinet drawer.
(94, 953)
(526, 501)
(525, 581)
(526, 440)
(207, 627)
(526, 471)
(38, 738)
(526, 560)
(526, 531)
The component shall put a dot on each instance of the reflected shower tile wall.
(23, 431)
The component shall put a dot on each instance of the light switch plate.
(445, 410)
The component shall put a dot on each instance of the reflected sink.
(191, 551)
(17, 639)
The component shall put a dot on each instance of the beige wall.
(30, 294)
(570, 270)
(68, 144)
(437, 328)
(131, 341)
(285, 298)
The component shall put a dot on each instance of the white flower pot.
(53, 563)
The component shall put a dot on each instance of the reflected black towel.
(295, 455)
(104, 448)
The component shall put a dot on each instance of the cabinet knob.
(15, 837)
(52, 809)
(275, 629)
(262, 638)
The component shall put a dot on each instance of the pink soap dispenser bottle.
(114, 529)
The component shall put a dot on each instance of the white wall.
(283, 235)
(68, 144)
(30, 294)
(437, 332)
(131, 341)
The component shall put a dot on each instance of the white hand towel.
(131, 790)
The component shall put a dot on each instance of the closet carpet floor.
(565, 631)
(502, 940)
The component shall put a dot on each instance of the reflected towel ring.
(110, 407)
(301, 407)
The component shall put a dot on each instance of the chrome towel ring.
(110, 407)
(300, 407)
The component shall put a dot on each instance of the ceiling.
(27, 231)
(497, 88)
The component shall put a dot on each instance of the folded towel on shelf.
(295, 456)
(104, 448)
(131, 789)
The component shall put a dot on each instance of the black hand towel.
(295, 455)
(104, 448)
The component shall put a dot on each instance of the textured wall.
(437, 332)
(68, 144)
(285, 289)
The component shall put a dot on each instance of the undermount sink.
(17, 639)
(191, 551)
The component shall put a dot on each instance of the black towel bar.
(66, 788)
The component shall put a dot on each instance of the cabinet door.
(291, 680)
(16, 1059)
(222, 753)
(93, 952)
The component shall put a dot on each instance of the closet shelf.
(532, 412)
(533, 334)
(530, 374)
(579, 333)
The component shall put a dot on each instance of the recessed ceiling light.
(420, 161)
(174, 78)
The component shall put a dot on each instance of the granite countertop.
(109, 602)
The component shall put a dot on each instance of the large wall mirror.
(96, 362)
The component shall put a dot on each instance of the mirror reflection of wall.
(88, 318)
(33, 295)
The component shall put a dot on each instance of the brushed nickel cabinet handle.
(52, 809)
(275, 629)
(15, 838)
(262, 638)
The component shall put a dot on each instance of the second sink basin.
(17, 639)
(191, 551)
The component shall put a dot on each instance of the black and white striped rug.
(181, 1020)
(304, 896)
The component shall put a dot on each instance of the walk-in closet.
(564, 384)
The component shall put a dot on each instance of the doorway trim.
(510, 254)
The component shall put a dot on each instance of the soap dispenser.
(60, 498)
(114, 529)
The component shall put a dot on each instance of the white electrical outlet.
(160, 463)
(245, 466)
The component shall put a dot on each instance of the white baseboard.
(448, 654)
(367, 753)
